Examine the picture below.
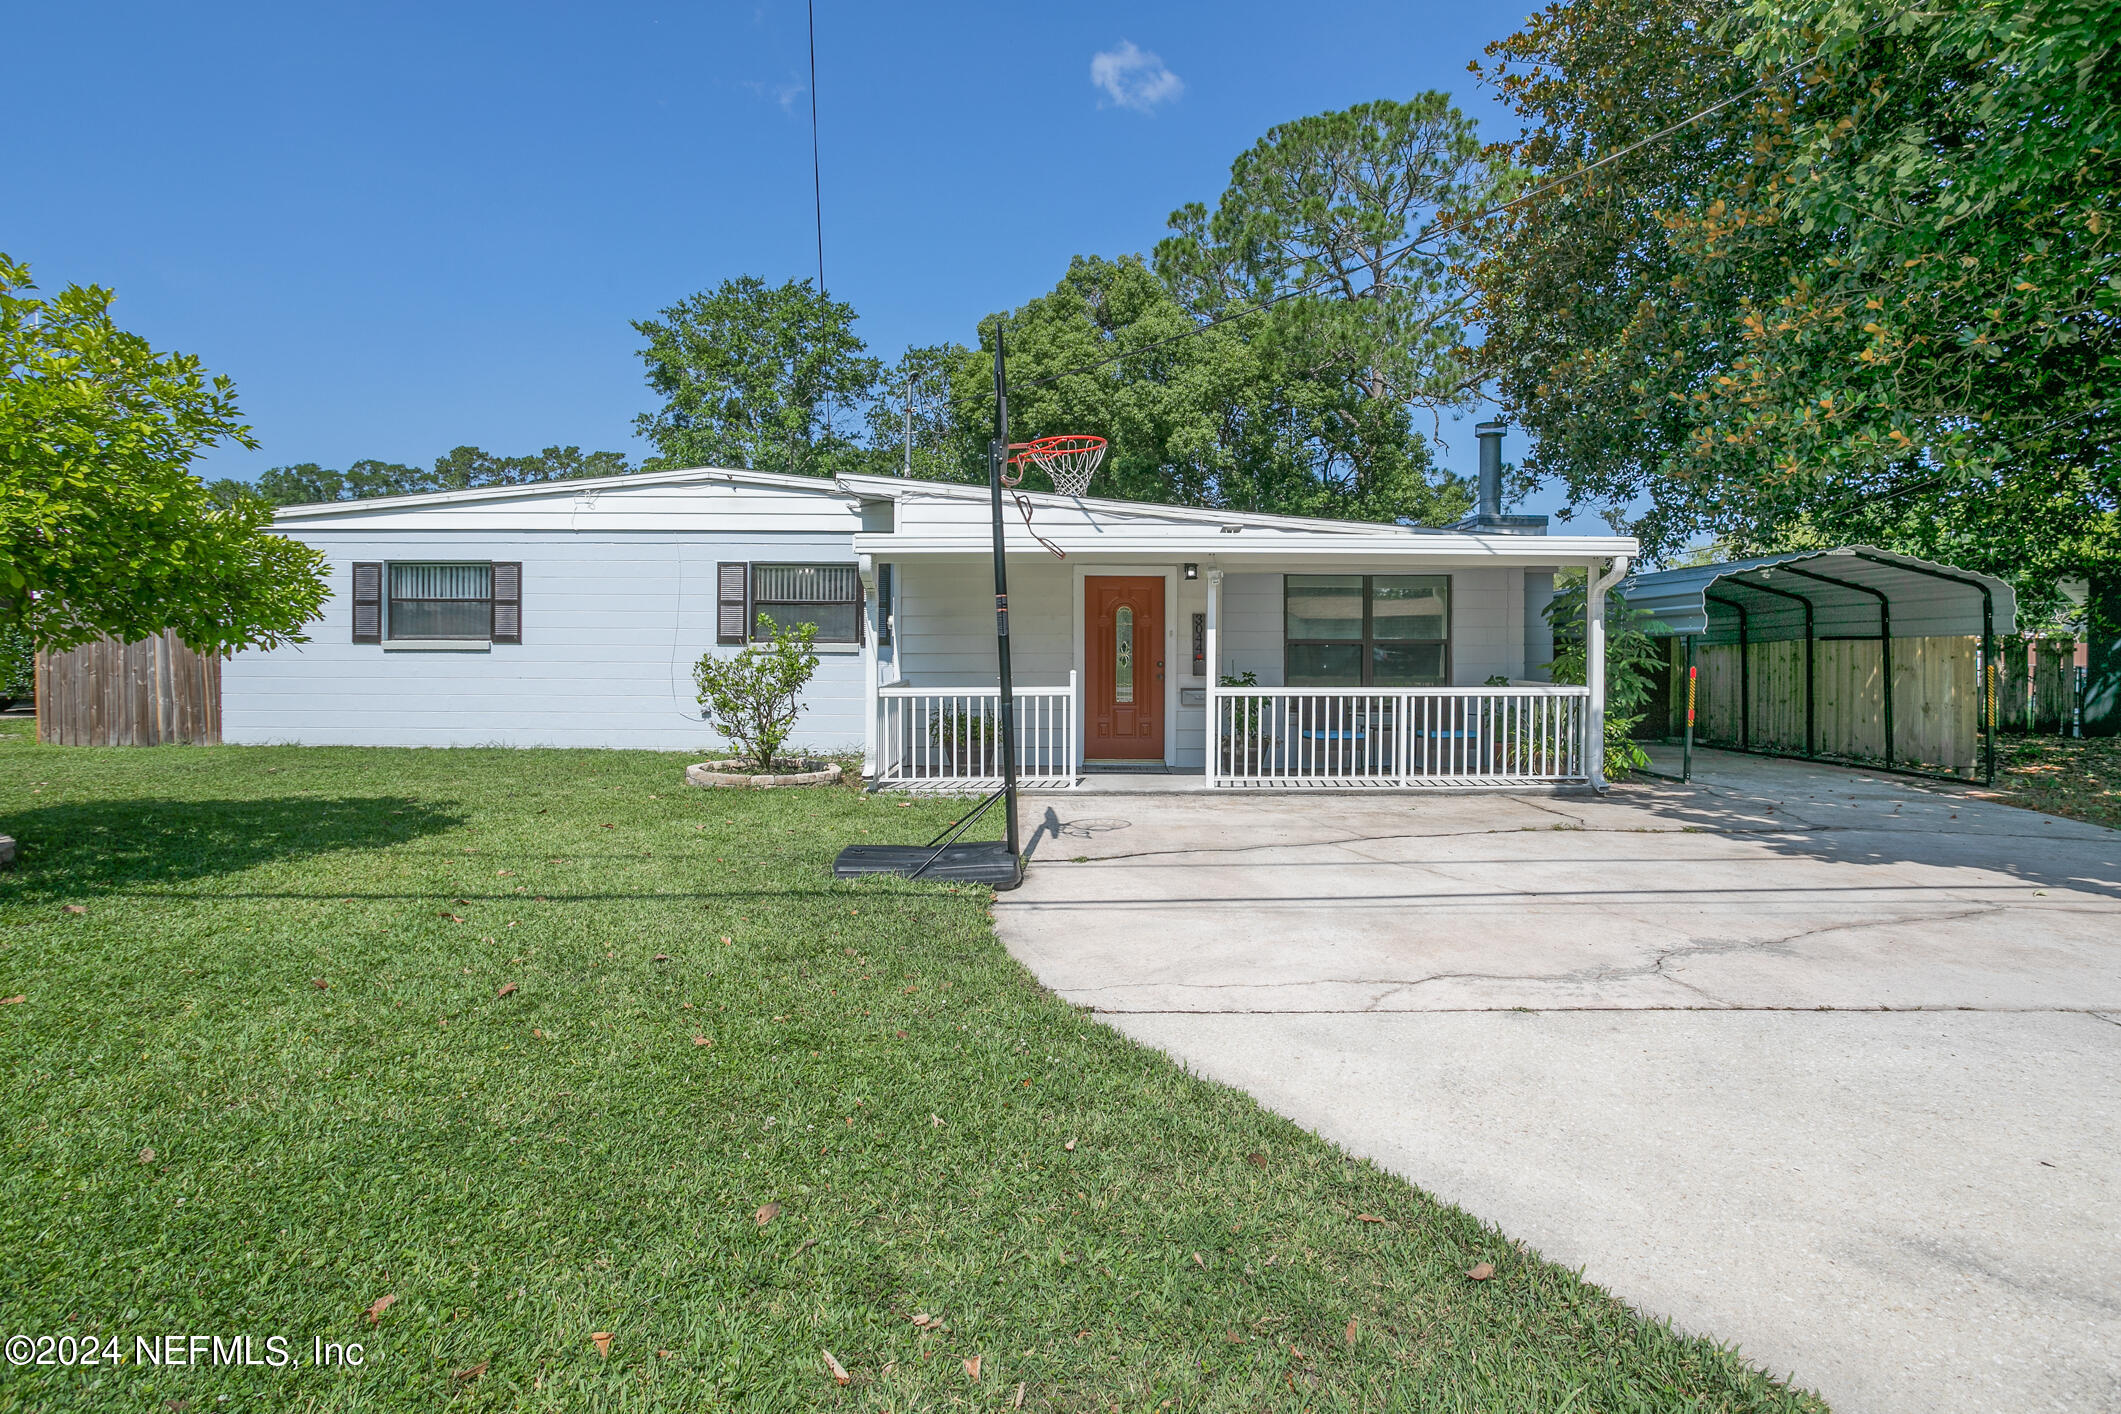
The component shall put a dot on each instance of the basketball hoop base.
(985, 862)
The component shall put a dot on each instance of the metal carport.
(1855, 592)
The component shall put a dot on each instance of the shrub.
(752, 696)
(1632, 662)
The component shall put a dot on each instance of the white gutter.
(1128, 543)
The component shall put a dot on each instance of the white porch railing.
(948, 738)
(1431, 736)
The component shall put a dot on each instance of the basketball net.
(1068, 461)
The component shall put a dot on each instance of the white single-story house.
(571, 614)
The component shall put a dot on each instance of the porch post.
(1597, 580)
(1213, 735)
(870, 613)
(1594, 675)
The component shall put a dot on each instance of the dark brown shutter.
(507, 601)
(367, 603)
(734, 622)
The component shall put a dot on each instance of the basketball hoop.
(1069, 461)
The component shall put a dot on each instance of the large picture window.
(441, 601)
(829, 596)
(1367, 630)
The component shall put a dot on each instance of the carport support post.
(1745, 670)
(1686, 750)
(1885, 639)
(1810, 699)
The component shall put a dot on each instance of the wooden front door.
(1123, 618)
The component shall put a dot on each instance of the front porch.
(934, 719)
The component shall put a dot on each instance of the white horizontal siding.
(1250, 627)
(946, 623)
(612, 624)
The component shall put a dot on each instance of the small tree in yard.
(752, 695)
(103, 527)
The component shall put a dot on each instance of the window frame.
(1369, 640)
(391, 600)
(758, 603)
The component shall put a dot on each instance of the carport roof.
(1843, 587)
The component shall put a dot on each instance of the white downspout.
(1597, 583)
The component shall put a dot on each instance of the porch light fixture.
(1192, 570)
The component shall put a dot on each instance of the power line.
(1327, 277)
(817, 180)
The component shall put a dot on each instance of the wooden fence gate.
(155, 692)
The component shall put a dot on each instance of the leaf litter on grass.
(517, 1195)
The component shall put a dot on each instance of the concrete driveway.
(1824, 1064)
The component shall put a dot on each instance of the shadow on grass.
(66, 850)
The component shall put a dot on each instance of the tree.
(460, 469)
(756, 377)
(1175, 411)
(754, 694)
(103, 530)
(1577, 282)
(1871, 296)
(1354, 223)
(1197, 413)
(913, 415)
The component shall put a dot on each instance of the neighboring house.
(570, 614)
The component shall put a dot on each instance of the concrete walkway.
(1821, 1063)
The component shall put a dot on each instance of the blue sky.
(403, 228)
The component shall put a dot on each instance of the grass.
(527, 1041)
(2075, 777)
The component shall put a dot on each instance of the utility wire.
(817, 180)
(817, 187)
(1327, 277)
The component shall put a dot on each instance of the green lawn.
(262, 1074)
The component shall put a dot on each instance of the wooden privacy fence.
(2035, 687)
(155, 692)
(1936, 699)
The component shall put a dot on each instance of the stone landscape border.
(733, 775)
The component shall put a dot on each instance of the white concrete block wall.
(612, 624)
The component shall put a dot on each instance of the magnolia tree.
(752, 696)
(103, 528)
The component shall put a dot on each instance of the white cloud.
(784, 94)
(1133, 78)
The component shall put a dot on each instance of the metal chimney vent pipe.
(1489, 493)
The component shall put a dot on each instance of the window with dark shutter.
(733, 623)
(368, 603)
(827, 596)
(507, 601)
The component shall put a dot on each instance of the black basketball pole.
(997, 457)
